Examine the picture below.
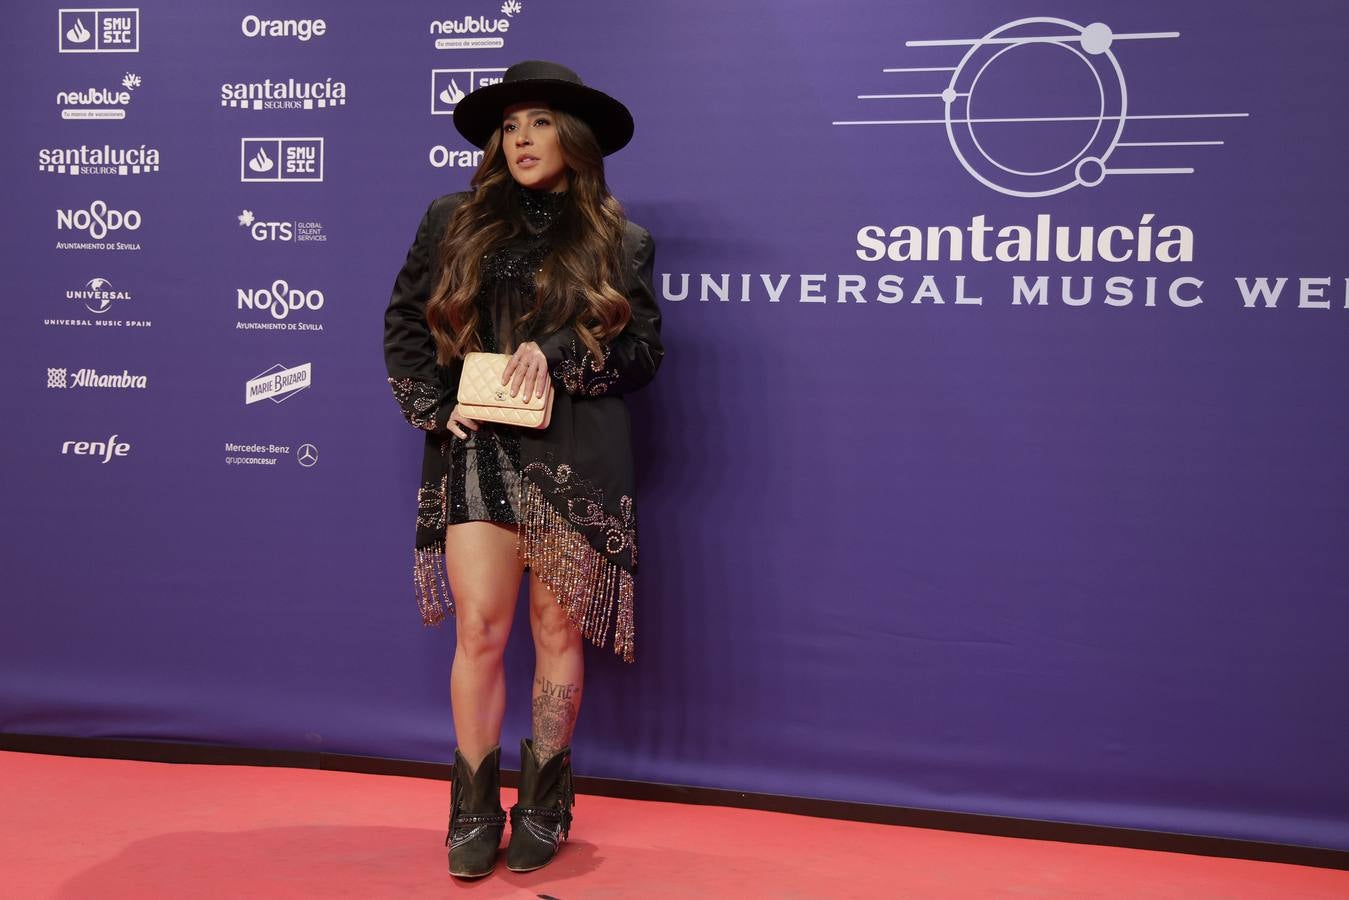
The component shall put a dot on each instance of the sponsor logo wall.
(1081, 263)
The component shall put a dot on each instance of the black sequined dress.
(571, 486)
(484, 469)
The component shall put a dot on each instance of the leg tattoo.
(555, 709)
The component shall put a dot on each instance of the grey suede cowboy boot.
(476, 817)
(541, 820)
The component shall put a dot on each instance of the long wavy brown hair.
(580, 282)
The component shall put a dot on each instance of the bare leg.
(559, 671)
(484, 574)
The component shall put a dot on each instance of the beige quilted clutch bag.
(482, 396)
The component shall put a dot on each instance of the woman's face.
(529, 140)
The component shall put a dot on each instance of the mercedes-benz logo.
(306, 455)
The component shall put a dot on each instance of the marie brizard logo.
(278, 383)
(1038, 106)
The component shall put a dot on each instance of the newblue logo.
(449, 86)
(98, 102)
(475, 32)
(99, 30)
(281, 159)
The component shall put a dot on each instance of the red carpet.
(93, 828)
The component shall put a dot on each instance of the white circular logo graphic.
(307, 455)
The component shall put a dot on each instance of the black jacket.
(579, 533)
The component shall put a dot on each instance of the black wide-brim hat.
(480, 112)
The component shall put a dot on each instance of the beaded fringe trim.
(433, 590)
(584, 582)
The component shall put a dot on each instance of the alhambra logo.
(285, 93)
(986, 106)
(91, 378)
(99, 30)
(104, 160)
(476, 32)
(99, 102)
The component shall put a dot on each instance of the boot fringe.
(585, 583)
(433, 590)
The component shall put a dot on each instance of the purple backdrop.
(1027, 556)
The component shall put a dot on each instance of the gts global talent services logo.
(300, 232)
(476, 32)
(449, 86)
(99, 30)
(278, 159)
(98, 102)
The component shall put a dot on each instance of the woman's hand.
(457, 419)
(528, 368)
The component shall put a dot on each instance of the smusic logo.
(281, 159)
(449, 86)
(99, 30)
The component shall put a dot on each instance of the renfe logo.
(106, 449)
(98, 30)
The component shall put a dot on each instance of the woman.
(537, 261)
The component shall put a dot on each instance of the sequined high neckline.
(541, 208)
